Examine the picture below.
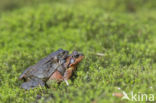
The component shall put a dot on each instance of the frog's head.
(71, 63)
(75, 58)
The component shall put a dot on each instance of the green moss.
(126, 40)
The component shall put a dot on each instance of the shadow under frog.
(57, 66)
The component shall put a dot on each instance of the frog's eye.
(76, 56)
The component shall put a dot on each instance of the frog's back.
(44, 68)
(51, 56)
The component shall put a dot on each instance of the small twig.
(100, 54)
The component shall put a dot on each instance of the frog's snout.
(81, 55)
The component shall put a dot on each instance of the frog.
(58, 66)
(71, 65)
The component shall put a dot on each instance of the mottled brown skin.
(71, 67)
(56, 76)
(57, 66)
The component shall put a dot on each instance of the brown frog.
(57, 66)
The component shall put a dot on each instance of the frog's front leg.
(68, 74)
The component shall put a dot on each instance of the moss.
(125, 40)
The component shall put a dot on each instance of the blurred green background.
(122, 31)
(117, 5)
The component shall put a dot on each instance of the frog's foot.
(67, 75)
(32, 84)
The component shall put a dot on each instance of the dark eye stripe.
(76, 56)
